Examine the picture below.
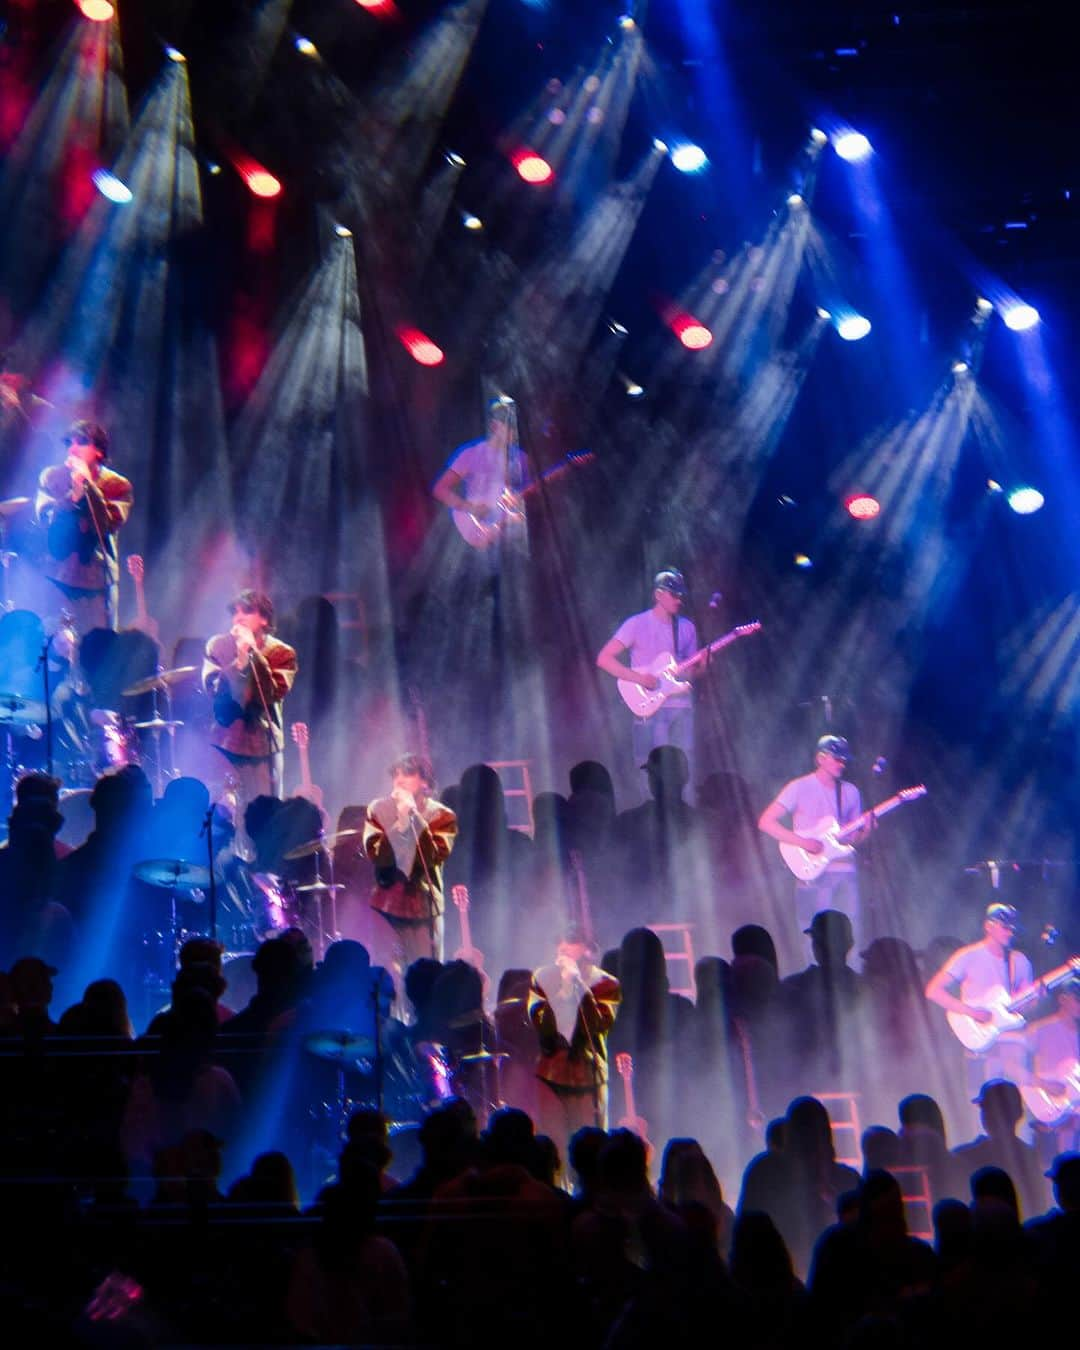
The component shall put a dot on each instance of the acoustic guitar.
(630, 1120)
(142, 621)
(306, 788)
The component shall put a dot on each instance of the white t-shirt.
(977, 970)
(807, 801)
(646, 637)
(486, 471)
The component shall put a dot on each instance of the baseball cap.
(1064, 1165)
(1005, 914)
(670, 579)
(831, 923)
(835, 745)
(1002, 1088)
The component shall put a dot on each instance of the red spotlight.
(377, 6)
(862, 506)
(691, 332)
(261, 182)
(531, 167)
(101, 11)
(420, 347)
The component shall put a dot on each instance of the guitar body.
(306, 788)
(484, 534)
(142, 621)
(630, 1120)
(467, 952)
(809, 866)
(645, 702)
(978, 1037)
(1051, 1108)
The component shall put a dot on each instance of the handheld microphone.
(879, 765)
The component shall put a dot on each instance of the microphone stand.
(43, 666)
(211, 890)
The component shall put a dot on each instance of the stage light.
(111, 187)
(691, 332)
(635, 390)
(1025, 501)
(1020, 317)
(983, 305)
(452, 157)
(626, 22)
(960, 367)
(616, 327)
(853, 327)
(100, 11)
(305, 46)
(852, 146)
(796, 199)
(992, 485)
(823, 313)
(531, 167)
(470, 221)
(818, 136)
(213, 167)
(659, 145)
(420, 347)
(802, 560)
(862, 506)
(343, 231)
(260, 182)
(689, 158)
(177, 56)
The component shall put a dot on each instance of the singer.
(247, 673)
(408, 836)
(84, 504)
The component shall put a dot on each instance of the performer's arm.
(272, 675)
(939, 991)
(108, 512)
(608, 659)
(770, 822)
(448, 490)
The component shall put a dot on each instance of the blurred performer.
(573, 1003)
(408, 836)
(482, 480)
(248, 672)
(84, 504)
(1054, 1048)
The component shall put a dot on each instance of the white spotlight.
(635, 390)
(818, 136)
(452, 157)
(853, 327)
(111, 187)
(1020, 317)
(1025, 501)
(661, 147)
(959, 367)
(823, 313)
(470, 221)
(626, 22)
(305, 46)
(795, 200)
(852, 146)
(620, 330)
(984, 306)
(176, 56)
(343, 231)
(689, 158)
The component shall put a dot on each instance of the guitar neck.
(305, 768)
(716, 646)
(1046, 985)
(874, 813)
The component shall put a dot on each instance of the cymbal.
(159, 681)
(317, 844)
(12, 506)
(339, 1047)
(485, 1057)
(16, 710)
(156, 724)
(172, 873)
(317, 886)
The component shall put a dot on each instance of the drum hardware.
(11, 507)
(321, 843)
(19, 711)
(181, 879)
(316, 848)
(347, 1050)
(156, 684)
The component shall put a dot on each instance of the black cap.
(670, 579)
(836, 746)
(1005, 914)
(831, 923)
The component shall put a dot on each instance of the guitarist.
(636, 643)
(478, 473)
(1054, 1047)
(969, 975)
(805, 801)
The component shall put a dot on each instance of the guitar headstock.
(460, 897)
(912, 794)
(745, 629)
(624, 1064)
(301, 735)
(136, 567)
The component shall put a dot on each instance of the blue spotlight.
(1020, 317)
(111, 187)
(853, 327)
(689, 158)
(852, 146)
(1025, 501)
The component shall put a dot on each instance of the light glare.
(1025, 501)
(420, 347)
(862, 506)
(853, 327)
(531, 167)
(100, 11)
(1020, 318)
(852, 146)
(111, 187)
(689, 158)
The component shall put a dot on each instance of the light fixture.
(960, 367)
(452, 157)
(852, 146)
(470, 221)
(305, 46)
(796, 199)
(635, 390)
(100, 11)
(853, 327)
(1025, 501)
(616, 327)
(818, 136)
(689, 158)
(343, 231)
(174, 55)
(111, 187)
(803, 561)
(1020, 317)
(983, 305)
(862, 506)
(531, 167)
(660, 146)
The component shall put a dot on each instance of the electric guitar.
(509, 510)
(1004, 1007)
(306, 788)
(630, 1120)
(142, 621)
(833, 836)
(466, 952)
(645, 702)
(1051, 1108)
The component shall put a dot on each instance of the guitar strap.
(839, 816)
